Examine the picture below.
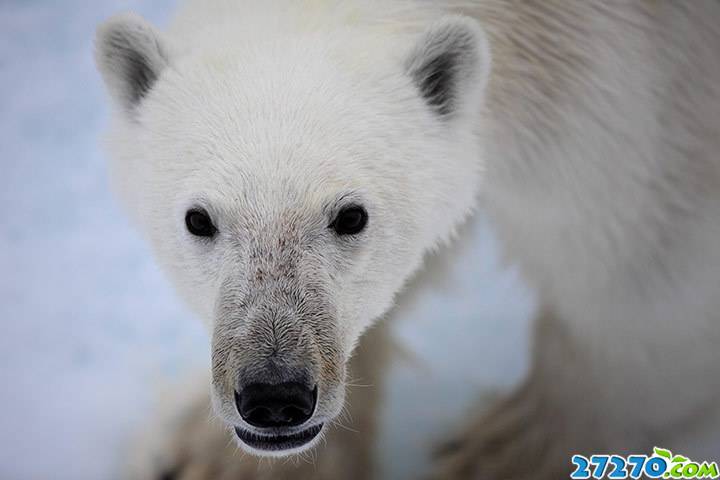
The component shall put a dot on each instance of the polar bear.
(292, 162)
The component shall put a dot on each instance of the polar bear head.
(290, 182)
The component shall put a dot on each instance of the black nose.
(283, 405)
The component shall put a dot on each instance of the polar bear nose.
(286, 404)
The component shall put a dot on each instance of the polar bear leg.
(533, 433)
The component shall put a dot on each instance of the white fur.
(266, 114)
(601, 171)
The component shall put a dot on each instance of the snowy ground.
(89, 325)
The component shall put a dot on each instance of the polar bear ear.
(450, 64)
(130, 55)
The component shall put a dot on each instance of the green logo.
(684, 468)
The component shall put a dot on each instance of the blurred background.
(91, 329)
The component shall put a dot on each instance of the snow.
(89, 325)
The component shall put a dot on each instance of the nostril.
(282, 405)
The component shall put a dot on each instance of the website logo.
(661, 464)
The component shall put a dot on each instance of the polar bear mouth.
(275, 443)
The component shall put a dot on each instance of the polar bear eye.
(350, 220)
(198, 223)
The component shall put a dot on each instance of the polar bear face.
(290, 186)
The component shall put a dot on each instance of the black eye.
(198, 223)
(350, 220)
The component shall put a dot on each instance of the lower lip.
(276, 443)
